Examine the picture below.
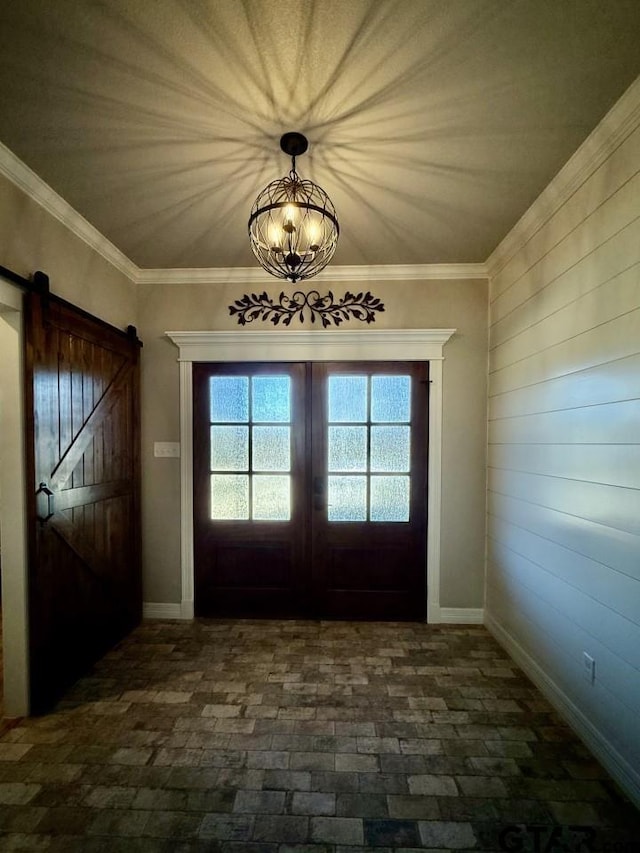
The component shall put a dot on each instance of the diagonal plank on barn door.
(75, 452)
(73, 528)
(83, 457)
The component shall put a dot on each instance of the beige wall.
(429, 304)
(13, 520)
(564, 463)
(32, 239)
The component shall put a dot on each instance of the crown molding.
(621, 120)
(344, 274)
(26, 179)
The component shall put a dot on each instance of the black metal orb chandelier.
(293, 229)
(293, 225)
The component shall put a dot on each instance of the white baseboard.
(162, 610)
(186, 610)
(459, 616)
(625, 775)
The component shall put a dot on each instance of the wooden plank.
(606, 505)
(99, 385)
(618, 338)
(88, 404)
(610, 382)
(610, 423)
(610, 547)
(612, 299)
(77, 419)
(44, 414)
(77, 400)
(607, 261)
(613, 465)
(96, 419)
(65, 416)
(620, 593)
(78, 497)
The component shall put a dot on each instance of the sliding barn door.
(82, 440)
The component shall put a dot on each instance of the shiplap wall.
(563, 561)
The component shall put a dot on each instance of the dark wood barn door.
(310, 490)
(82, 441)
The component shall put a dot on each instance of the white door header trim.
(320, 345)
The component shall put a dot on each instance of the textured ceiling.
(433, 124)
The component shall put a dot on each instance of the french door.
(310, 490)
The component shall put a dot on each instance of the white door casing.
(325, 345)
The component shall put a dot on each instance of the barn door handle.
(44, 503)
(318, 492)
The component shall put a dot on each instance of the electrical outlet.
(589, 668)
(166, 449)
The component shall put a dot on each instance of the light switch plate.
(166, 449)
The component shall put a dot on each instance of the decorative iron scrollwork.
(353, 306)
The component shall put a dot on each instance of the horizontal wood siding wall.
(563, 569)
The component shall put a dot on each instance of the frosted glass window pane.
(271, 448)
(391, 398)
(347, 448)
(271, 398)
(390, 448)
(347, 499)
(271, 498)
(347, 398)
(229, 448)
(389, 499)
(229, 496)
(229, 399)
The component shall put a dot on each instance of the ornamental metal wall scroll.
(353, 306)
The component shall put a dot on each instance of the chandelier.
(293, 225)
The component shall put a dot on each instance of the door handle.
(318, 493)
(45, 503)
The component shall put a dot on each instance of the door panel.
(82, 441)
(369, 443)
(249, 489)
(315, 505)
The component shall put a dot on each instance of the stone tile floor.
(277, 737)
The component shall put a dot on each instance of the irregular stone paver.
(314, 737)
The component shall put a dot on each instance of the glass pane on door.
(250, 432)
(377, 441)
